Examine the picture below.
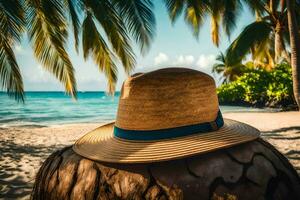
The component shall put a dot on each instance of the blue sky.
(174, 45)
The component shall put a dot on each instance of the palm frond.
(73, 5)
(93, 44)
(216, 9)
(231, 12)
(229, 72)
(260, 49)
(256, 6)
(218, 68)
(139, 19)
(175, 8)
(195, 13)
(221, 57)
(47, 31)
(215, 30)
(254, 33)
(10, 76)
(12, 22)
(115, 30)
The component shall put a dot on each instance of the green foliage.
(106, 28)
(281, 89)
(260, 87)
(231, 92)
(255, 33)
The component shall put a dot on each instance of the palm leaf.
(229, 71)
(47, 31)
(227, 11)
(12, 20)
(72, 5)
(195, 13)
(218, 68)
(113, 26)
(256, 6)
(10, 76)
(230, 14)
(175, 8)
(139, 19)
(263, 48)
(93, 44)
(254, 33)
(11, 28)
(194, 10)
(216, 9)
(215, 29)
(221, 57)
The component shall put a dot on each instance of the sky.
(174, 46)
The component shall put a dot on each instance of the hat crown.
(167, 98)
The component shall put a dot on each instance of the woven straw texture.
(167, 98)
(101, 145)
(162, 99)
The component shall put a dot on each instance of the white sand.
(280, 129)
(22, 149)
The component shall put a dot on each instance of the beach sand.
(23, 149)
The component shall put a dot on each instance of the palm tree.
(229, 72)
(295, 48)
(266, 38)
(47, 24)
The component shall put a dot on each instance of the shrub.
(260, 87)
(280, 90)
(231, 93)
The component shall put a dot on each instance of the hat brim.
(101, 145)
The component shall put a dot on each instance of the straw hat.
(162, 115)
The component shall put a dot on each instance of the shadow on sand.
(281, 135)
(280, 130)
(20, 163)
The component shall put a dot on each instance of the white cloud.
(183, 60)
(203, 63)
(206, 61)
(38, 74)
(161, 58)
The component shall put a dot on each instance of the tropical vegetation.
(104, 28)
(107, 26)
(230, 72)
(267, 40)
(260, 87)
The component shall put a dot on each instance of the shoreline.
(278, 108)
(68, 123)
(23, 149)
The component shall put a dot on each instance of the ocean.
(51, 108)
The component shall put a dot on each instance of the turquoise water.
(48, 108)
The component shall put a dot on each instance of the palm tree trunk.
(280, 50)
(295, 49)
